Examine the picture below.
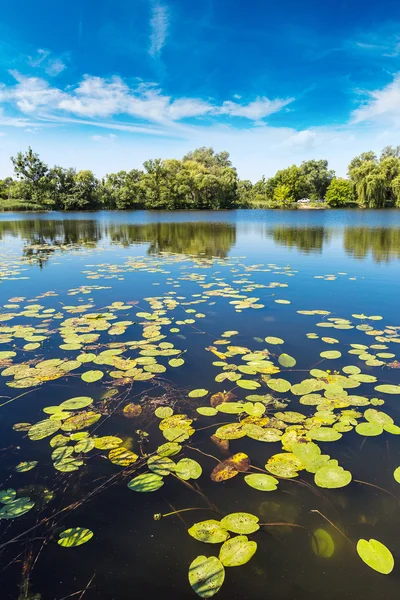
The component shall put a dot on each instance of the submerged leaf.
(322, 543)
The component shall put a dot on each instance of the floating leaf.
(198, 393)
(388, 389)
(206, 576)
(369, 429)
(237, 551)
(324, 434)
(148, 482)
(332, 477)
(274, 340)
(207, 411)
(261, 482)
(161, 465)
(241, 522)
(188, 468)
(75, 536)
(122, 457)
(25, 466)
(44, 429)
(237, 463)
(279, 385)
(286, 360)
(210, 532)
(248, 384)
(16, 508)
(107, 442)
(376, 555)
(76, 403)
(7, 496)
(92, 376)
(331, 354)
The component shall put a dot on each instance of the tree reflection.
(305, 239)
(382, 243)
(42, 237)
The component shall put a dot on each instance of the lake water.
(197, 288)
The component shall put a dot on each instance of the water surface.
(343, 262)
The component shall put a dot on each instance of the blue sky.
(105, 85)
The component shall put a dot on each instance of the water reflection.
(305, 239)
(40, 237)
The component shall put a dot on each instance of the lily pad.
(187, 468)
(332, 477)
(206, 576)
(210, 532)
(241, 522)
(376, 555)
(75, 536)
(261, 482)
(199, 393)
(286, 360)
(148, 482)
(16, 508)
(237, 551)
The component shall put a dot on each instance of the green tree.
(340, 192)
(85, 192)
(317, 178)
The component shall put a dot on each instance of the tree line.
(202, 179)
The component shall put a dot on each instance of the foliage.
(339, 193)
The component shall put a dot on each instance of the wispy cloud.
(44, 59)
(382, 105)
(103, 138)
(159, 28)
(97, 97)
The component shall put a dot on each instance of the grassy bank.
(20, 205)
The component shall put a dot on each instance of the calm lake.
(170, 328)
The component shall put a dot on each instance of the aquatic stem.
(377, 487)
(181, 510)
(332, 524)
(204, 453)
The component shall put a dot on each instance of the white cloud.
(381, 106)
(256, 110)
(103, 138)
(303, 140)
(44, 59)
(159, 28)
(97, 97)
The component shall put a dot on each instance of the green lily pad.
(261, 482)
(210, 532)
(187, 468)
(92, 376)
(206, 576)
(44, 429)
(237, 551)
(25, 466)
(207, 411)
(161, 465)
(241, 522)
(324, 434)
(275, 341)
(248, 384)
(376, 555)
(331, 354)
(163, 412)
(388, 389)
(369, 429)
(332, 477)
(279, 385)
(7, 496)
(148, 482)
(16, 508)
(286, 360)
(75, 536)
(76, 403)
(198, 393)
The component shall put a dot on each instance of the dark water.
(344, 262)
